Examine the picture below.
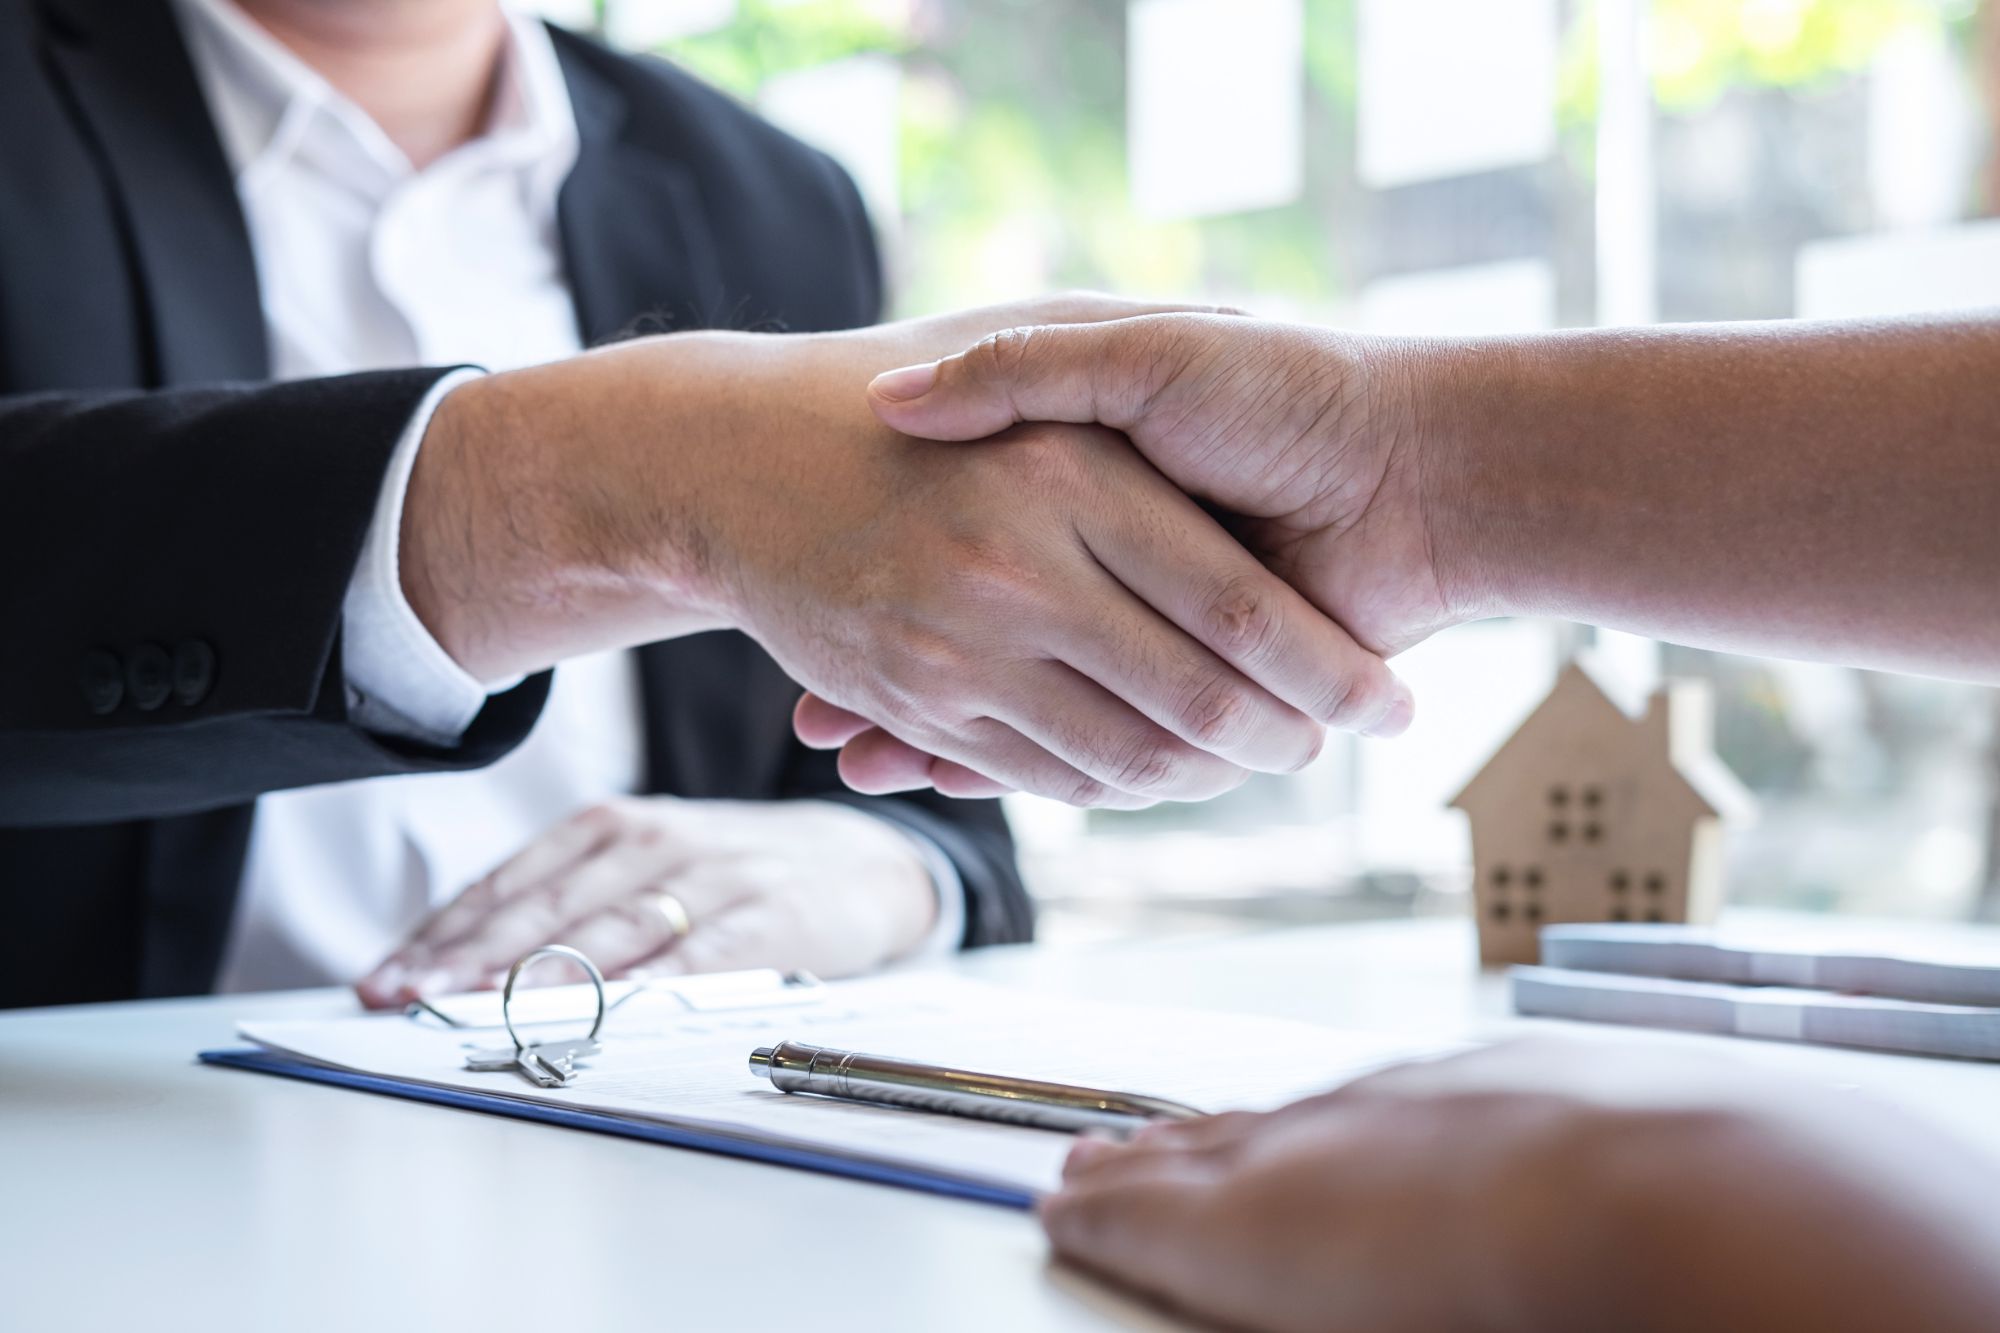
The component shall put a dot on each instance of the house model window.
(1588, 814)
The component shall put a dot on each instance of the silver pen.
(793, 1066)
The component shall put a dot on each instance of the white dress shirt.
(364, 262)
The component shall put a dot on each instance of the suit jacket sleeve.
(172, 569)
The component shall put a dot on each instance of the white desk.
(143, 1191)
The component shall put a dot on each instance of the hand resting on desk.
(1548, 1186)
(806, 885)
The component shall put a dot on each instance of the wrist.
(898, 907)
(908, 889)
(1451, 396)
(526, 536)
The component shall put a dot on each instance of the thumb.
(1083, 373)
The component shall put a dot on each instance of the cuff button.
(103, 681)
(194, 672)
(149, 676)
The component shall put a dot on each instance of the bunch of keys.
(546, 1064)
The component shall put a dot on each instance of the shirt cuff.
(400, 680)
(948, 932)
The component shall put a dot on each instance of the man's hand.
(1047, 610)
(1296, 432)
(1546, 1185)
(655, 886)
(1818, 490)
(1306, 435)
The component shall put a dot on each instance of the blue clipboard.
(597, 1122)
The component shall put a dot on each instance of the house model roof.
(1670, 747)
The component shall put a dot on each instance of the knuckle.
(1082, 790)
(1241, 621)
(1150, 765)
(994, 573)
(540, 914)
(1216, 711)
(1001, 356)
(917, 653)
(1347, 701)
(638, 919)
(606, 817)
(481, 895)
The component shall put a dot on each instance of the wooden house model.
(1587, 814)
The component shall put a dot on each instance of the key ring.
(563, 951)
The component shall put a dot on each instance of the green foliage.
(770, 37)
(1702, 47)
(1013, 133)
(1013, 144)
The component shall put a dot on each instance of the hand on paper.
(792, 885)
(1546, 1185)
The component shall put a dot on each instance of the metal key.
(545, 1064)
(498, 1059)
(541, 1071)
(490, 1060)
(553, 1063)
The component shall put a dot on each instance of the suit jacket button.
(194, 671)
(149, 676)
(103, 680)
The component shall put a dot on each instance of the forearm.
(517, 549)
(1794, 489)
(1840, 1217)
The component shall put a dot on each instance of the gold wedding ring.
(675, 911)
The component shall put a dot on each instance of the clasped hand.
(1305, 438)
(1043, 612)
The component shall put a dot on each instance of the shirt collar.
(272, 109)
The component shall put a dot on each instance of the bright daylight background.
(1453, 166)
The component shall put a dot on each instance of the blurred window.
(1459, 166)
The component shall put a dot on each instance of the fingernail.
(383, 989)
(1088, 1151)
(438, 981)
(1097, 1144)
(909, 382)
(1396, 718)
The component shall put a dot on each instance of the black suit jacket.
(176, 537)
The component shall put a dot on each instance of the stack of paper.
(1692, 953)
(680, 1060)
(1691, 978)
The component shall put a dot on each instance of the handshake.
(1043, 604)
(1114, 554)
